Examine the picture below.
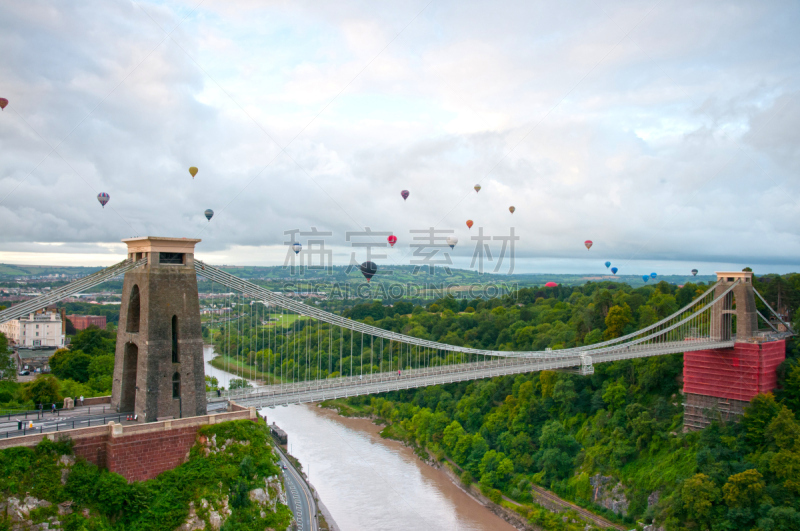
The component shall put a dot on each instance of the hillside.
(231, 479)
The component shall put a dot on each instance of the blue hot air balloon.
(653, 275)
(614, 270)
(608, 264)
(645, 277)
(296, 247)
(209, 214)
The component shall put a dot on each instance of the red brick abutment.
(139, 451)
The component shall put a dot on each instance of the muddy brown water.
(370, 483)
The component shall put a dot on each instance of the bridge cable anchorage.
(56, 295)
(255, 291)
(784, 323)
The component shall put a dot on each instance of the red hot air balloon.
(103, 198)
(588, 244)
(404, 193)
(392, 240)
(469, 223)
(3, 103)
(551, 285)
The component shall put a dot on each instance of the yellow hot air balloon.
(511, 209)
(477, 187)
(193, 171)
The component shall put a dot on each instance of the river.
(370, 483)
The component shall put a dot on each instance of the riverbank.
(370, 483)
(523, 516)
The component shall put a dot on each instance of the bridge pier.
(158, 369)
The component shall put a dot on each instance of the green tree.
(791, 387)
(758, 415)
(101, 366)
(71, 365)
(558, 451)
(615, 395)
(698, 495)
(745, 489)
(94, 341)
(617, 319)
(238, 383)
(784, 431)
(43, 390)
(7, 366)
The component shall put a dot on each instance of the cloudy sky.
(666, 132)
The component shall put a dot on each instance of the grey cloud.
(665, 151)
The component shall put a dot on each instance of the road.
(299, 496)
(65, 420)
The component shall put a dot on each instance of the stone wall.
(97, 401)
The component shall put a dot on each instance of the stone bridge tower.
(158, 369)
(723, 312)
(719, 383)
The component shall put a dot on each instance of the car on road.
(24, 373)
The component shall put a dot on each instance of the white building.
(44, 328)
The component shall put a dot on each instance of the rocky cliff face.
(608, 492)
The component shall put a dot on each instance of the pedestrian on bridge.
(54, 408)
(81, 399)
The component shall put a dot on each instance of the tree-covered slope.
(231, 479)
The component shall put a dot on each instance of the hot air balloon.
(588, 244)
(653, 275)
(103, 198)
(614, 270)
(469, 223)
(296, 247)
(477, 187)
(368, 269)
(452, 241)
(551, 285)
(645, 277)
(511, 209)
(608, 264)
(209, 214)
(193, 171)
(694, 272)
(392, 240)
(3, 103)
(404, 193)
